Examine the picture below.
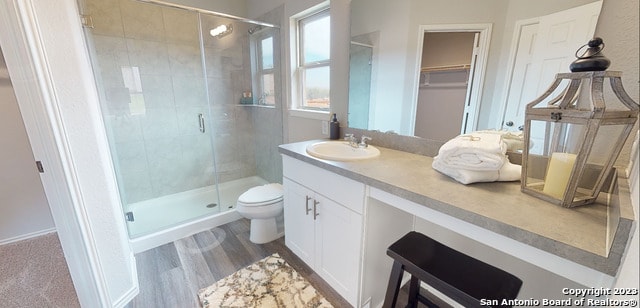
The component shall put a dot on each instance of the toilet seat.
(262, 195)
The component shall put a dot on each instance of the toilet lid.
(261, 194)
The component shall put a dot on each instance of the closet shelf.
(458, 67)
(444, 85)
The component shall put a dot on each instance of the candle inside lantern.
(558, 172)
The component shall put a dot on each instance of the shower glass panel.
(183, 147)
(360, 57)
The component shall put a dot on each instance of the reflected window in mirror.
(313, 51)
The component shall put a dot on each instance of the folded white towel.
(508, 172)
(513, 140)
(475, 151)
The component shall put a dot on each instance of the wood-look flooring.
(172, 274)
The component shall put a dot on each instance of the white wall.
(619, 27)
(47, 58)
(629, 270)
(24, 211)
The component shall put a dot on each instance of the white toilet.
(262, 204)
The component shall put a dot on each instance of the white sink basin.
(341, 150)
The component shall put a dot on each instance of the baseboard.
(26, 236)
(168, 235)
(128, 296)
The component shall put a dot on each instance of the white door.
(298, 222)
(521, 77)
(471, 103)
(553, 48)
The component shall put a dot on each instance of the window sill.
(310, 114)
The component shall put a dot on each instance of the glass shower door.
(242, 97)
(149, 71)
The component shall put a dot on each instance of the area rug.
(270, 282)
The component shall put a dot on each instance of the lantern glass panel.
(603, 150)
(612, 101)
(554, 147)
(605, 143)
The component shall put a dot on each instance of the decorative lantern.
(575, 131)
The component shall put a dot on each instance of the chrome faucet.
(352, 140)
(363, 141)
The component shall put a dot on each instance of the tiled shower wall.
(153, 126)
(267, 122)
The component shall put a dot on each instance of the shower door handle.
(201, 122)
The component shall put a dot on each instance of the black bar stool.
(464, 279)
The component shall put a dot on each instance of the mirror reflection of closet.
(445, 69)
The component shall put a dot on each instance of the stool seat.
(460, 277)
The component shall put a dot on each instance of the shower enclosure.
(193, 115)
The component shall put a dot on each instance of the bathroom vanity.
(341, 216)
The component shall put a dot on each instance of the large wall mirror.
(438, 68)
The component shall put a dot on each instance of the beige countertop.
(593, 235)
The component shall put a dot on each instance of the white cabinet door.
(338, 234)
(298, 220)
(323, 223)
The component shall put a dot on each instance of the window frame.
(302, 67)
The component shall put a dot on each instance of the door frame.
(477, 71)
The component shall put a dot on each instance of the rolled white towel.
(475, 151)
(508, 172)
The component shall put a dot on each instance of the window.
(265, 82)
(313, 50)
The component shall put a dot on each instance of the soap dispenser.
(334, 128)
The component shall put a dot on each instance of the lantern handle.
(600, 45)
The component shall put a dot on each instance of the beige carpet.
(270, 282)
(33, 273)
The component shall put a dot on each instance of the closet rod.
(445, 68)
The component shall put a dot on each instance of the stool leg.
(393, 287)
(413, 292)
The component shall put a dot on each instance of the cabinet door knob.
(315, 209)
(306, 205)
